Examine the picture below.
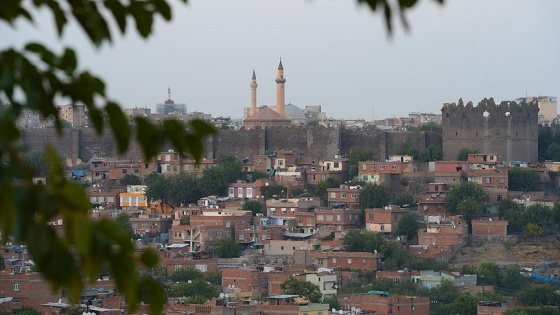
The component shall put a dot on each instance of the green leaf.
(163, 8)
(149, 137)
(59, 16)
(68, 61)
(119, 126)
(149, 258)
(119, 13)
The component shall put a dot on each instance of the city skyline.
(335, 54)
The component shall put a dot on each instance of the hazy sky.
(335, 53)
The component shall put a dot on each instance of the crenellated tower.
(509, 129)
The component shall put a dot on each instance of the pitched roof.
(266, 114)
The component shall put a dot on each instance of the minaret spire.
(169, 92)
(253, 85)
(280, 92)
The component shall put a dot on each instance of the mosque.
(272, 116)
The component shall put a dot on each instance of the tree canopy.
(463, 154)
(408, 226)
(228, 248)
(254, 205)
(467, 198)
(302, 288)
(523, 180)
(373, 196)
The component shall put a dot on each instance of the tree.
(362, 241)
(228, 248)
(313, 123)
(540, 214)
(198, 288)
(513, 279)
(538, 295)
(361, 154)
(488, 273)
(553, 152)
(130, 179)
(296, 191)
(123, 219)
(215, 180)
(403, 200)
(185, 220)
(523, 180)
(156, 189)
(473, 192)
(430, 153)
(507, 205)
(408, 148)
(408, 226)
(541, 310)
(373, 196)
(302, 288)
(533, 230)
(186, 274)
(463, 154)
(183, 189)
(254, 205)
(276, 191)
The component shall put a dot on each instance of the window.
(136, 171)
(499, 198)
(319, 217)
(364, 167)
(488, 180)
(382, 227)
(249, 192)
(502, 180)
(349, 261)
(329, 217)
(393, 167)
(124, 171)
(334, 260)
(144, 225)
(231, 192)
(15, 286)
(333, 195)
(241, 237)
(371, 216)
(335, 164)
(261, 163)
(338, 217)
(342, 195)
(353, 195)
(382, 166)
(372, 167)
(178, 267)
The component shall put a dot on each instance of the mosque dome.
(293, 112)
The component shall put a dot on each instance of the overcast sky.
(335, 53)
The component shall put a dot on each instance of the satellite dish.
(333, 310)
(340, 312)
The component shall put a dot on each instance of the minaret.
(169, 93)
(280, 80)
(253, 94)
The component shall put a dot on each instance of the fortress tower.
(280, 93)
(254, 86)
(508, 129)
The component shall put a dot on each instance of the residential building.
(433, 202)
(384, 220)
(343, 197)
(135, 196)
(489, 227)
(337, 220)
(241, 190)
(336, 168)
(385, 303)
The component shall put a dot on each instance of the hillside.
(524, 253)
